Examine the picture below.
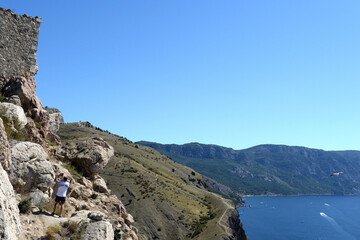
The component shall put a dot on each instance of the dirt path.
(38, 222)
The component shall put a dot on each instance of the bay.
(301, 217)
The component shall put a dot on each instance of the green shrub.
(2, 98)
(11, 134)
(25, 205)
(199, 225)
(38, 124)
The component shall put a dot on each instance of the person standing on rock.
(63, 184)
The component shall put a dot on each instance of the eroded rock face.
(25, 88)
(55, 119)
(91, 156)
(30, 169)
(5, 159)
(10, 226)
(99, 230)
(12, 112)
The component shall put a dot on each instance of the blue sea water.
(302, 217)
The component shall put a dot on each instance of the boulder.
(99, 230)
(12, 112)
(10, 225)
(97, 216)
(30, 169)
(85, 182)
(5, 159)
(80, 191)
(129, 220)
(91, 156)
(38, 196)
(99, 185)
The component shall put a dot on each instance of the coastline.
(285, 195)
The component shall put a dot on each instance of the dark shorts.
(60, 199)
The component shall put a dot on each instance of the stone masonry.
(19, 37)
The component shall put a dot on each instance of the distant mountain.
(271, 169)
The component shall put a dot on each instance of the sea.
(301, 218)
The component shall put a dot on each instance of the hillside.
(167, 200)
(271, 169)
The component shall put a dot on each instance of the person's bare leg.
(61, 209)
(54, 207)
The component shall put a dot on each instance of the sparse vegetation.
(38, 124)
(25, 205)
(199, 225)
(12, 128)
(2, 97)
(74, 171)
(145, 179)
(68, 230)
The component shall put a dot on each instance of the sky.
(235, 73)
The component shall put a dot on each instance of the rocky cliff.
(31, 155)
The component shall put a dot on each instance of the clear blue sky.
(235, 73)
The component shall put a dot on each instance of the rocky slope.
(31, 155)
(271, 169)
(167, 200)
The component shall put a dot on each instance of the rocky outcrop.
(99, 185)
(55, 119)
(236, 226)
(98, 225)
(25, 88)
(13, 113)
(10, 226)
(30, 170)
(99, 230)
(90, 156)
(5, 159)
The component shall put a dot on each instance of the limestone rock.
(5, 159)
(99, 230)
(38, 196)
(91, 156)
(30, 169)
(25, 88)
(15, 100)
(99, 185)
(55, 119)
(85, 182)
(41, 116)
(129, 220)
(97, 216)
(10, 226)
(12, 112)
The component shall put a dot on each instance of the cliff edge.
(31, 155)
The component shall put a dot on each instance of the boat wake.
(337, 226)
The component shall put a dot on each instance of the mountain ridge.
(271, 169)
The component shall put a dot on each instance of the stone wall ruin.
(19, 36)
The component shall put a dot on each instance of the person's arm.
(58, 177)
